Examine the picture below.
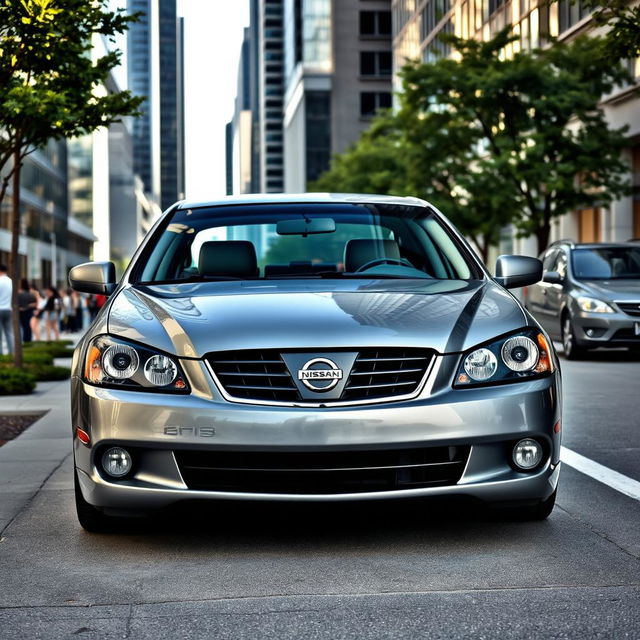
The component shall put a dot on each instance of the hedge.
(16, 382)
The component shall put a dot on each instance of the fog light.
(527, 454)
(116, 462)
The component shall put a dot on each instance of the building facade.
(337, 74)
(47, 244)
(156, 70)
(416, 27)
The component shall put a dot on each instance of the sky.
(213, 37)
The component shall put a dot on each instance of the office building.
(156, 70)
(416, 26)
(254, 135)
(108, 205)
(337, 75)
(46, 242)
(270, 79)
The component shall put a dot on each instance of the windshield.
(302, 241)
(607, 263)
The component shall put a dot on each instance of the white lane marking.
(611, 478)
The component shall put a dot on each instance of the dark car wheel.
(90, 518)
(572, 350)
(540, 511)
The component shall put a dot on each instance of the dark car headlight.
(520, 356)
(115, 363)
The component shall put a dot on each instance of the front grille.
(625, 335)
(377, 373)
(254, 375)
(322, 473)
(632, 308)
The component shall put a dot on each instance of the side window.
(549, 259)
(561, 264)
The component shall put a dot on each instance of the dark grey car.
(589, 296)
(311, 348)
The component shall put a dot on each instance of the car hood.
(190, 320)
(619, 290)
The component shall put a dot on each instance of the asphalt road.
(365, 571)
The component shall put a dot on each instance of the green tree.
(50, 89)
(492, 139)
(622, 39)
(374, 164)
(535, 121)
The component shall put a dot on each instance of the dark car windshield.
(606, 263)
(285, 241)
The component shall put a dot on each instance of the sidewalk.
(28, 461)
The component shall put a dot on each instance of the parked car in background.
(310, 348)
(589, 296)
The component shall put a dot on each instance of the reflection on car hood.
(191, 320)
(614, 289)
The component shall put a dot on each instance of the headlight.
(593, 305)
(526, 354)
(114, 363)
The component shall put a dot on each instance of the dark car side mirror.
(94, 277)
(552, 277)
(518, 271)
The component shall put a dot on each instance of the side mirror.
(94, 277)
(517, 271)
(552, 277)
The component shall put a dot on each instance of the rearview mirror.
(94, 277)
(305, 226)
(518, 271)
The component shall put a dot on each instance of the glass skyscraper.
(155, 70)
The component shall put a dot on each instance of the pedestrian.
(73, 314)
(26, 307)
(67, 311)
(6, 291)
(37, 314)
(92, 307)
(52, 313)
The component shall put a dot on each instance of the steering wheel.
(403, 262)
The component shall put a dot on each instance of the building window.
(375, 23)
(318, 133)
(570, 12)
(433, 12)
(375, 63)
(494, 5)
(371, 101)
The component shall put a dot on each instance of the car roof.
(303, 198)
(590, 245)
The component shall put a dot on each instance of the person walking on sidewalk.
(26, 306)
(52, 313)
(6, 290)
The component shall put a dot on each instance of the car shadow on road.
(243, 523)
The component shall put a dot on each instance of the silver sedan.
(311, 348)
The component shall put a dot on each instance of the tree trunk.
(14, 260)
(542, 234)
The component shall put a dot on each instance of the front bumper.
(484, 421)
(605, 329)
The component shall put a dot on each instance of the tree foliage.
(50, 85)
(492, 139)
(622, 19)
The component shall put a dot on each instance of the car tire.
(531, 512)
(91, 519)
(572, 350)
